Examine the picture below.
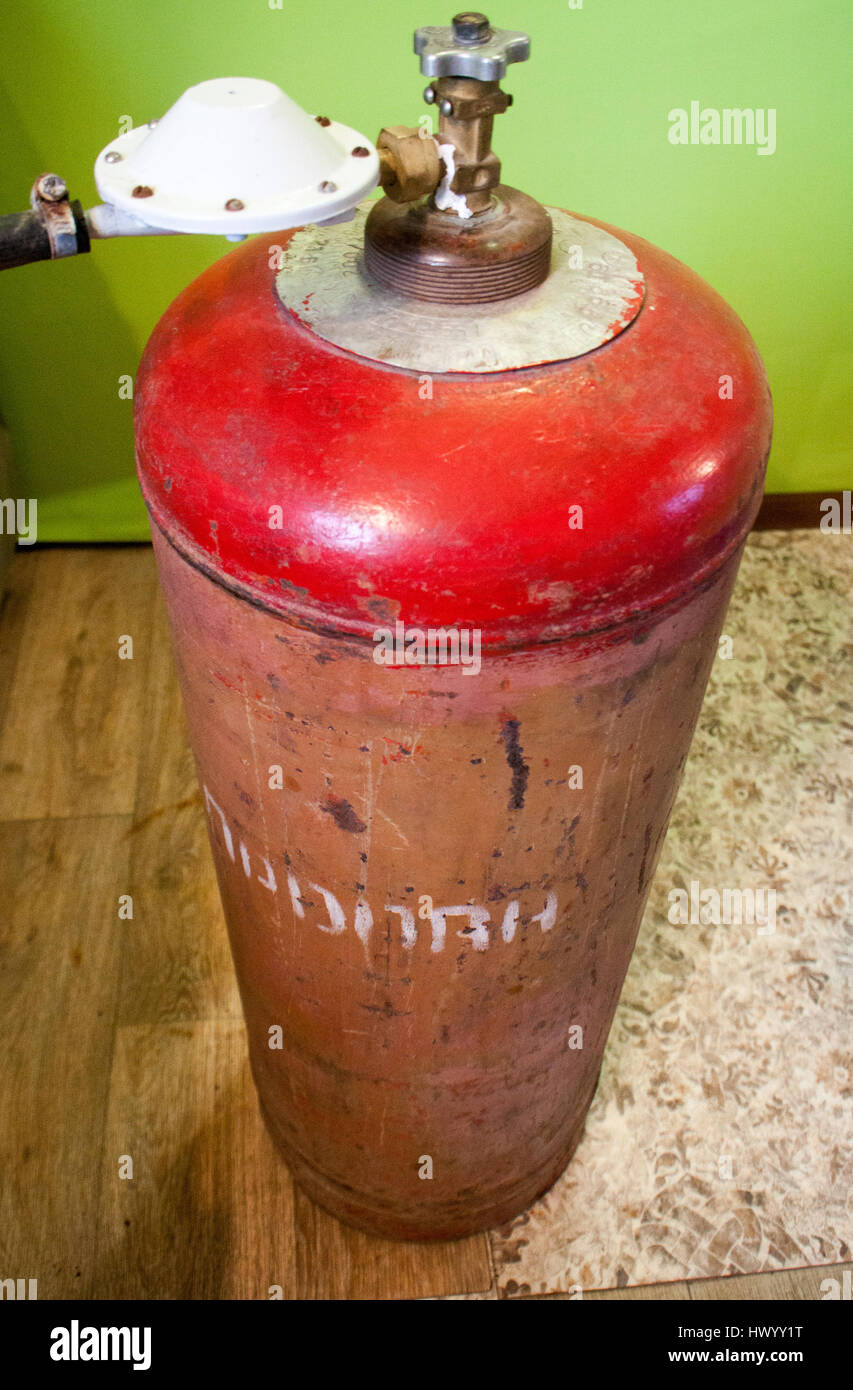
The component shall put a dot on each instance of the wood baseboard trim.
(789, 511)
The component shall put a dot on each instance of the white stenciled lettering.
(296, 900)
(363, 922)
(226, 833)
(337, 920)
(438, 918)
(476, 932)
(269, 881)
(548, 916)
(510, 921)
(408, 929)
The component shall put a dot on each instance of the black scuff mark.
(647, 840)
(515, 759)
(343, 815)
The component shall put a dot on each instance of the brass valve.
(448, 230)
(466, 62)
(409, 164)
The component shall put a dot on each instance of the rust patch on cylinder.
(343, 815)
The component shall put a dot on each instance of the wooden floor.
(122, 1039)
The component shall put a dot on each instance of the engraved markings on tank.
(479, 917)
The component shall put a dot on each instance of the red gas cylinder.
(445, 583)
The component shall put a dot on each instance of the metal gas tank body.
(433, 873)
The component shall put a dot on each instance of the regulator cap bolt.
(471, 27)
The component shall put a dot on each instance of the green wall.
(589, 131)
